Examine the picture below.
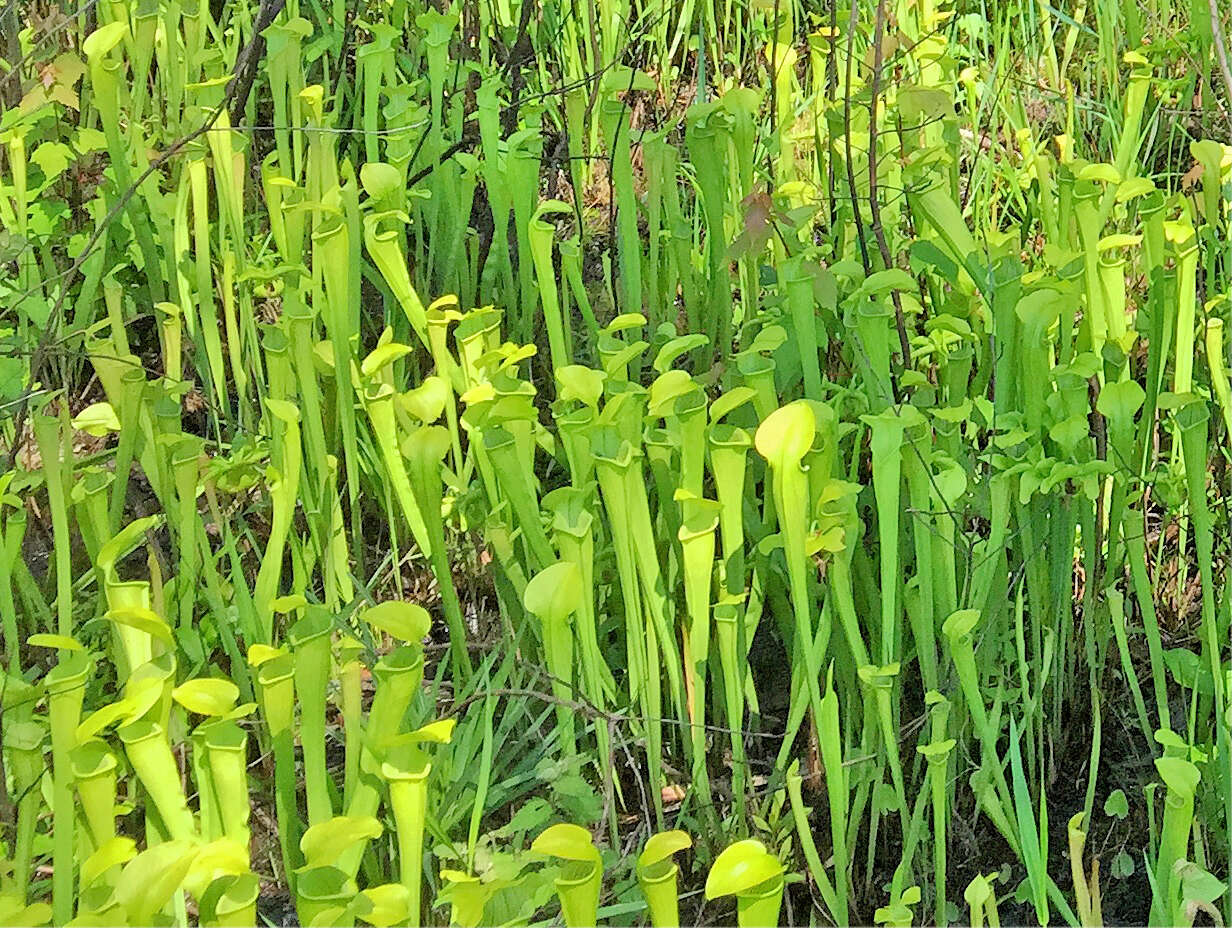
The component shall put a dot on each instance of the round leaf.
(1116, 805)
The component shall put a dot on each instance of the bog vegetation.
(615, 461)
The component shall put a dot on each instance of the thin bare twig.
(873, 206)
(1221, 53)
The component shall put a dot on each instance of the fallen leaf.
(673, 792)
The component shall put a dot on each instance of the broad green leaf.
(920, 105)
(1189, 670)
(621, 78)
(14, 911)
(1198, 885)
